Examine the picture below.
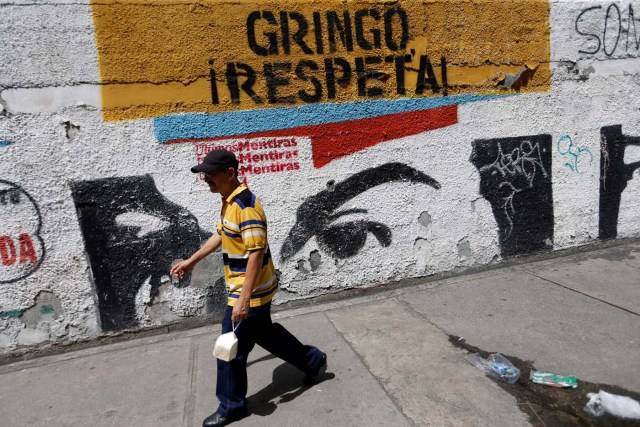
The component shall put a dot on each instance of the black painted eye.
(345, 239)
(342, 240)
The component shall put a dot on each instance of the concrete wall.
(386, 140)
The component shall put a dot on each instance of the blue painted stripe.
(252, 221)
(234, 236)
(253, 200)
(5, 143)
(205, 125)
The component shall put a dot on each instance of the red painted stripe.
(331, 141)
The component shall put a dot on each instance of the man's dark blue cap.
(217, 160)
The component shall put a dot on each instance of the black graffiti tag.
(605, 29)
(521, 162)
(515, 177)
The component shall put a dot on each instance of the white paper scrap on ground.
(620, 406)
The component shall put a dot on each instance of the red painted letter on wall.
(27, 252)
(7, 250)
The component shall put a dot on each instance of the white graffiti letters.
(522, 161)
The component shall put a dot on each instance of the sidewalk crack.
(422, 316)
(192, 374)
(364, 363)
(581, 293)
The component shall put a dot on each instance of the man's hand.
(182, 268)
(241, 307)
(240, 310)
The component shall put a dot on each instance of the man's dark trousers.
(231, 387)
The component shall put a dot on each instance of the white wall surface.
(55, 136)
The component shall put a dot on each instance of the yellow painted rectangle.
(156, 57)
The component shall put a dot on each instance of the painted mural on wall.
(257, 156)
(317, 216)
(515, 177)
(340, 63)
(328, 141)
(242, 56)
(338, 111)
(132, 234)
(615, 174)
(22, 249)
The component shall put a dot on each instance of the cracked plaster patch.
(420, 247)
(47, 308)
(425, 219)
(51, 99)
(315, 260)
(464, 249)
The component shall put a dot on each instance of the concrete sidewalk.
(391, 359)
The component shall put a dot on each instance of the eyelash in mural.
(344, 240)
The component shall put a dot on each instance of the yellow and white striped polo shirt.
(243, 228)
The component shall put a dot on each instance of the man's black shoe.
(311, 378)
(217, 420)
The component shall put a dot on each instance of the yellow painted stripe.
(154, 55)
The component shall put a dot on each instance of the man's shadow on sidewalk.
(286, 385)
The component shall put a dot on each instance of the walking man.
(251, 282)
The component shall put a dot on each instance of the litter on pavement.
(553, 380)
(496, 366)
(620, 406)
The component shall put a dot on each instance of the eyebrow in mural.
(344, 240)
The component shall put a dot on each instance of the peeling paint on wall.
(315, 260)
(48, 99)
(425, 219)
(302, 266)
(517, 81)
(71, 130)
(47, 307)
(422, 257)
(10, 314)
(464, 249)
